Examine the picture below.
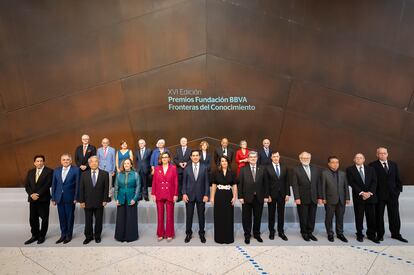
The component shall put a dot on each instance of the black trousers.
(189, 212)
(337, 210)
(39, 209)
(394, 220)
(361, 208)
(144, 184)
(89, 214)
(307, 215)
(180, 185)
(248, 208)
(278, 203)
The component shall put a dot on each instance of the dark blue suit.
(64, 193)
(195, 189)
(143, 167)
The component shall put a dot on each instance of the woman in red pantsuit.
(165, 193)
(241, 156)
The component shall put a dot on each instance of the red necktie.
(105, 153)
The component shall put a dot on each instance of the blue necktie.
(277, 171)
(94, 178)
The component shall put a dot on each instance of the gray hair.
(66, 155)
(252, 153)
(93, 157)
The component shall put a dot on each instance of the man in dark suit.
(305, 185)
(93, 196)
(65, 191)
(83, 153)
(181, 159)
(279, 192)
(363, 181)
(38, 182)
(224, 150)
(389, 186)
(265, 153)
(253, 192)
(142, 160)
(335, 197)
(196, 191)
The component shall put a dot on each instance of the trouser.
(66, 211)
(39, 209)
(394, 221)
(189, 207)
(144, 184)
(338, 210)
(89, 214)
(167, 230)
(361, 208)
(307, 215)
(278, 203)
(248, 208)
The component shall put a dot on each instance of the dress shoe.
(41, 240)
(67, 240)
(146, 198)
(330, 238)
(259, 239)
(373, 239)
(381, 239)
(342, 238)
(247, 240)
(61, 240)
(188, 238)
(312, 237)
(283, 236)
(400, 238)
(98, 239)
(31, 240)
(202, 238)
(306, 237)
(87, 240)
(360, 238)
(272, 235)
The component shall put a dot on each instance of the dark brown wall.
(330, 77)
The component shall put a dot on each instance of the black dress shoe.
(306, 237)
(246, 240)
(202, 238)
(283, 236)
(330, 238)
(373, 239)
(61, 240)
(87, 240)
(312, 237)
(259, 239)
(98, 239)
(41, 240)
(342, 238)
(188, 238)
(360, 239)
(381, 239)
(272, 235)
(31, 240)
(400, 238)
(67, 240)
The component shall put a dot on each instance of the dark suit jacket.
(80, 159)
(278, 186)
(331, 190)
(207, 161)
(262, 158)
(143, 165)
(196, 189)
(66, 191)
(41, 187)
(218, 152)
(93, 197)
(358, 186)
(389, 184)
(179, 157)
(247, 186)
(303, 189)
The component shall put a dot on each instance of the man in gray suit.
(334, 195)
(305, 185)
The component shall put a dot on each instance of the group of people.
(196, 177)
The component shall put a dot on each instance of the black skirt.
(223, 217)
(126, 229)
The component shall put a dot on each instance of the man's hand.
(34, 196)
(270, 199)
(185, 198)
(53, 203)
(117, 203)
(347, 202)
(104, 203)
(286, 198)
(266, 200)
(233, 200)
(205, 199)
(241, 201)
(82, 205)
(298, 202)
(153, 197)
(82, 167)
(74, 201)
(175, 198)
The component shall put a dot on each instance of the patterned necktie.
(254, 173)
(37, 175)
(195, 171)
(361, 172)
(94, 178)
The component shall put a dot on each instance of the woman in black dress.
(223, 197)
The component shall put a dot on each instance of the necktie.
(195, 172)
(277, 170)
(183, 151)
(385, 167)
(37, 175)
(254, 173)
(361, 172)
(105, 150)
(224, 152)
(142, 153)
(84, 149)
(94, 178)
(64, 173)
(307, 170)
(267, 152)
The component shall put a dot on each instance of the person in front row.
(253, 192)
(65, 191)
(335, 196)
(305, 186)
(196, 191)
(93, 196)
(165, 193)
(127, 194)
(37, 184)
(279, 192)
(363, 180)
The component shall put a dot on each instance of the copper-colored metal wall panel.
(12, 176)
(11, 84)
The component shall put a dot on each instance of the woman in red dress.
(165, 193)
(241, 156)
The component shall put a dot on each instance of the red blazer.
(165, 186)
(240, 156)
